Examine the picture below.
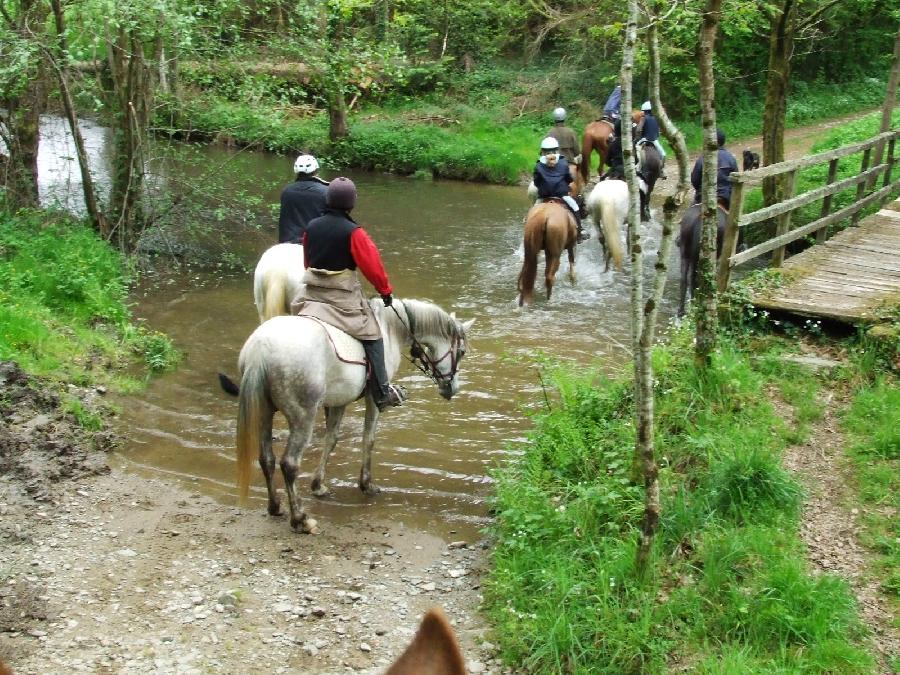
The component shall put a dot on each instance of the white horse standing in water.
(277, 280)
(291, 364)
(608, 205)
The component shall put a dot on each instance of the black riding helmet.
(341, 194)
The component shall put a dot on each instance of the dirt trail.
(115, 573)
(831, 523)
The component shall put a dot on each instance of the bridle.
(419, 357)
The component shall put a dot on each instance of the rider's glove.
(388, 299)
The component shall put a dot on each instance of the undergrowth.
(727, 589)
(63, 303)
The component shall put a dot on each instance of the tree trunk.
(781, 48)
(670, 131)
(707, 321)
(21, 114)
(337, 115)
(60, 66)
(645, 451)
(890, 99)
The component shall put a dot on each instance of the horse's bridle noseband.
(419, 357)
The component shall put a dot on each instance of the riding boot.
(384, 393)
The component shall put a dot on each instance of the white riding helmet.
(559, 115)
(306, 164)
(646, 107)
(549, 143)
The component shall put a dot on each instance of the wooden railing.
(783, 211)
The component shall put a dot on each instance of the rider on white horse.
(334, 246)
(301, 201)
(552, 178)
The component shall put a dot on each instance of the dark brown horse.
(549, 227)
(596, 137)
(689, 242)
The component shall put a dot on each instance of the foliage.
(727, 587)
(63, 294)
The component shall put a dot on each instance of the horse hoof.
(305, 525)
(369, 489)
(275, 509)
(320, 489)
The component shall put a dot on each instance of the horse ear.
(468, 324)
(453, 315)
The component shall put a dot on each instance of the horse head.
(751, 160)
(437, 342)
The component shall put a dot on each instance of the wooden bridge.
(852, 277)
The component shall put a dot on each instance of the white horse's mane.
(427, 318)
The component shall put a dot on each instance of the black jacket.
(301, 201)
(328, 241)
(552, 181)
(726, 165)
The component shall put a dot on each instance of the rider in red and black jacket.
(334, 247)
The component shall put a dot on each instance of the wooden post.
(890, 164)
(822, 235)
(783, 222)
(729, 243)
(861, 188)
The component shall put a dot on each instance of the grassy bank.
(63, 304)
(483, 126)
(728, 589)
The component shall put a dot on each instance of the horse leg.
(365, 472)
(571, 251)
(551, 266)
(683, 286)
(333, 417)
(267, 464)
(301, 421)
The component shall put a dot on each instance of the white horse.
(608, 204)
(290, 363)
(277, 279)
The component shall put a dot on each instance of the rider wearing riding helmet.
(614, 156)
(301, 201)
(552, 178)
(649, 133)
(727, 164)
(568, 143)
(335, 246)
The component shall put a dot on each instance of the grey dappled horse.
(289, 363)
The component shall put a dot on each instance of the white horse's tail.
(275, 300)
(604, 201)
(251, 403)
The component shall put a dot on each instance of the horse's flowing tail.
(587, 146)
(251, 404)
(610, 221)
(275, 300)
(535, 224)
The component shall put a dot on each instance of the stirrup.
(395, 395)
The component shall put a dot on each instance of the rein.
(418, 355)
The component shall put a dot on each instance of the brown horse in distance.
(596, 137)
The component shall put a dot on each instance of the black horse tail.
(228, 385)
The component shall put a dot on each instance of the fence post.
(729, 243)
(822, 235)
(861, 188)
(890, 165)
(783, 222)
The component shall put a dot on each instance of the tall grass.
(727, 590)
(63, 301)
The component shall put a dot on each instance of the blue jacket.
(650, 128)
(552, 181)
(727, 164)
(614, 101)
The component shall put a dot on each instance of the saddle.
(346, 347)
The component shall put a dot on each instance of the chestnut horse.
(549, 227)
(596, 137)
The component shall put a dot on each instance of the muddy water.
(452, 243)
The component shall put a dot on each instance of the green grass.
(482, 126)
(63, 303)
(727, 589)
